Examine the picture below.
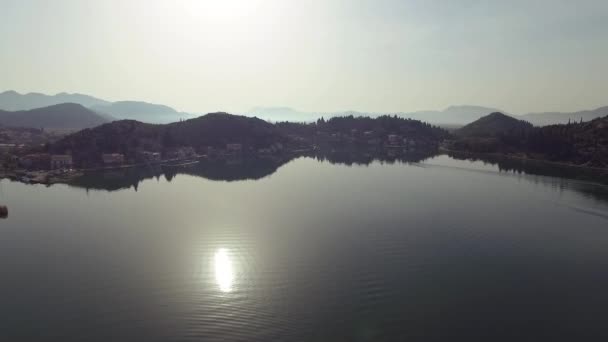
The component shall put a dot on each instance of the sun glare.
(224, 10)
(224, 273)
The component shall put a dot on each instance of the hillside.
(67, 116)
(124, 137)
(492, 125)
(492, 133)
(583, 143)
(130, 137)
(219, 129)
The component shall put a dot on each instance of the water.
(307, 250)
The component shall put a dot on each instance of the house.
(234, 148)
(394, 139)
(113, 158)
(151, 157)
(210, 152)
(373, 142)
(7, 147)
(187, 152)
(182, 153)
(36, 161)
(61, 161)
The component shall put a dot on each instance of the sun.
(222, 10)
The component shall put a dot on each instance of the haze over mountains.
(453, 115)
(551, 118)
(64, 116)
(133, 110)
(156, 113)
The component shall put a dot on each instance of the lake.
(430, 248)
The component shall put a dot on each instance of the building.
(373, 142)
(4, 148)
(61, 161)
(150, 157)
(185, 152)
(113, 158)
(36, 161)
(394, 139)
(234, 148)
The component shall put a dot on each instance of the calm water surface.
(440, 249)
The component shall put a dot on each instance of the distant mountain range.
(134, 110)
(141, 111)
(64, 116)
(551, 118)
(451, 116)
(13, 101)
(156, 113)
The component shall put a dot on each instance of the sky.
(315, 55)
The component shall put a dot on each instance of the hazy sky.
(314, 55)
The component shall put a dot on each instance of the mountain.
(129, 137)
(453, 115)
(140, 111)
(66, 116)
(492, 125)
(134, 110)
(551, 118)
(13, 101)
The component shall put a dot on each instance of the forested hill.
(217, 130)
(129, 137)
(380, 127)
(582, 143)
(492, 125)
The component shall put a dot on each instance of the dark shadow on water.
(592, 183)
(216, 170)
(365, 157)
(229, 170)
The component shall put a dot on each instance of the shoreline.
(508, 156)
(50, 177)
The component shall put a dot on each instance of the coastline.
(521, 158)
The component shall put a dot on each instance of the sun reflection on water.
(224, 272)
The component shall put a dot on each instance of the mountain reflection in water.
(583, 180)
(225, 169)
